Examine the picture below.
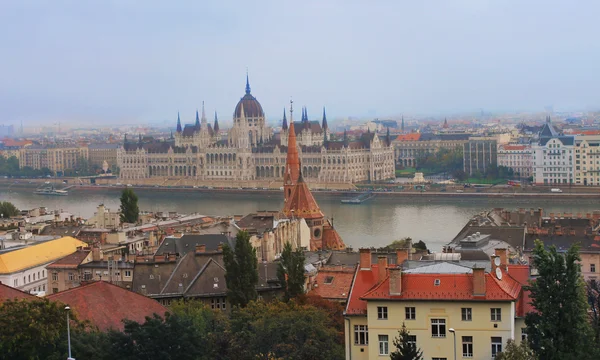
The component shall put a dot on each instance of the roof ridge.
(173, 272)
(88, 284)
(357, 266)
(210, 259)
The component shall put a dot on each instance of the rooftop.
(70, 261)
(334, 282)
(6, 293)
(106, 305)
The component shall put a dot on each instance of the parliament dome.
(252, 107)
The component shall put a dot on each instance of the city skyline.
(121, 63)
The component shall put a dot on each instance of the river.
(376, 222)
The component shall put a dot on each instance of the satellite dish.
(497, 261)
(499, 273)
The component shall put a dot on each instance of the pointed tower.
(178, 123)
(125, 140)
(445, 126)
(204, 122)
(247, 83)
(345, 138)
(216, 125)
(292, 163)
(324, 124)
(402, 126)
(284, 125)
(140, 142)
(197, 125)
(302, 204)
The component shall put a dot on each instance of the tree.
(279, 330)
(593, 297)
(420, 245)
(399, 244)
(560, 328)
(290, 271)
(130, 212)
(33, 329)
(334, 310)
(405, 350)
(516, 352)
(7, 209)
(241, 271)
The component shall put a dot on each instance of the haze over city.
(126, 61)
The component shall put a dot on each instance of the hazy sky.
(141, 61)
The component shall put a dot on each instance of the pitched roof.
(188, 242)
(408, 137)
(70, 261)
(106, 305)
(334, 282)
(302, 203)
(38, 254)
(331, 238)
(6, 293)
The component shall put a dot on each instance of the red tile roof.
(6, 293)
(521, 274)
(514, 147)
(70, 261)
(417, 286)
(331, 238)
(339, 286)
(105, 305)
(409, 137)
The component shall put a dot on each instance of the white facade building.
(553, 157)
(587, 160)
(516, 157)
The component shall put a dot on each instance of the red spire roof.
(302, 202)
(292, 163)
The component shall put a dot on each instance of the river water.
(376, 222)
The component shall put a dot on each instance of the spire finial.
(291, 110)
(284, 124)
(197, 119)
(178, 123)
(324, 125)
(203, 113)
(247, 83)
(216, 125)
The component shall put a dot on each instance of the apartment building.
(553, 157)
(445, 306)
(516, 157)
(57, 159)
(587, 160)
(409, 147)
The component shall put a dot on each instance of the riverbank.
(483, 193)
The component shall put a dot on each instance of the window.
(218, 304)
(16, 282)
(496, 314)
(54, 276)
(592, 267)
(127, 273)
(496, 346)
(411, 313)
(361, 335)
(382, 313)
(33, 276)
(71, 277)
(523, 334)
(43, 273)
(384, 347)
(412, 341)
(467, 346)
(467, 314)
(438, 328)
(54, 290)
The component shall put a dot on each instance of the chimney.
(478, 281)
(395, 281)
(382, 264)
(365, 259)
(200, 249)
(96, 253)
(401, 255)
(220, 248)
(502, 253)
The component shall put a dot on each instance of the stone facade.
(553, 157)
(57, 159)
(587, 160)
(516, 157)
(409, 147)
(251, 152)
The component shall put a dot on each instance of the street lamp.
(453, 333)
(67, 309)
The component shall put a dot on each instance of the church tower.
(292, 163)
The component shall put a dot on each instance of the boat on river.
(359, 199)
(50, 190)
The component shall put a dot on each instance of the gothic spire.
(247, 83)
(292, 163)
(197, 120)
(216, 125)
(125, 140)
(345, 138)
(402, 127)
(387, 137)
(178, 123)
(204, 122)
(284, 126)
(140, 140)
(324, 125)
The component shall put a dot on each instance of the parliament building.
(250, 152)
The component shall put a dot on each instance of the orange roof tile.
(331, 238)
(364, 280)
(302, 203)
(409, 137)
(6, 293)
(334, 282)
(106, 305)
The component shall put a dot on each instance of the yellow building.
(442, 304)
(57, 159)
(24, 268)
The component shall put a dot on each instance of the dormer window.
(437, 282)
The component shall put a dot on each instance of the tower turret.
(197, 125)
(203, 119)
(284, 125)
(292, 163)
(324, 124)
(216, 125)
(178, 123)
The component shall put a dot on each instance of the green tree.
(593, 295)
(210, 327)
(399, 244)
(7, 209)
(516, 352)
(405, 350)
(290, 271)
(241, 271)
(33, 329)
(279, 330)
(130, 212)
(560, 328)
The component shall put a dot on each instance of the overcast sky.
(141, 61)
